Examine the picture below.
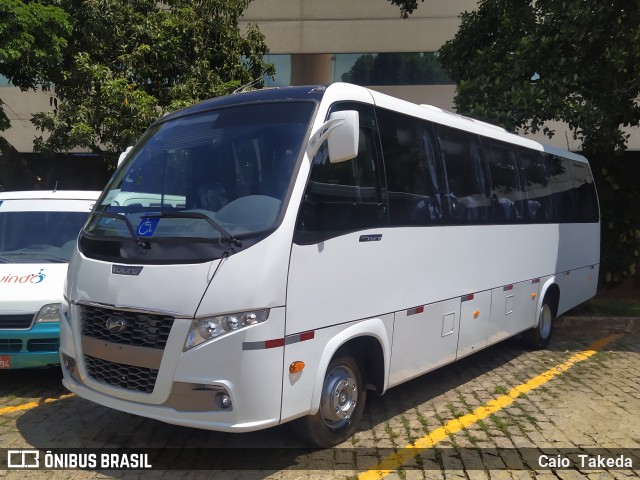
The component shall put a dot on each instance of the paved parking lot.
(570, 411)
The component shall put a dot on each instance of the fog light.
(223, 400)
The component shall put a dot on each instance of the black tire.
(539, 336)
(341, 405)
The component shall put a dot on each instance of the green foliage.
(128, 62)
(32, 36)
(522, 64)
(406, 6)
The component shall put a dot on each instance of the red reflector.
(419, 309)
(306, 336)
(535, 280)
(278, 342)
(466, 298)
(508, 287)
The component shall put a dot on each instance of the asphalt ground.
(570, 411)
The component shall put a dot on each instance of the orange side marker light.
(296, 367)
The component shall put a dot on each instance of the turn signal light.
(296, 367)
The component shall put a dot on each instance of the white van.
(38, 232)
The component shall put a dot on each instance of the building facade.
(360, 41)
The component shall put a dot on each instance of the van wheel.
(539, 336)
(341, 405)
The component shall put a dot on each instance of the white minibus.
(271, 256)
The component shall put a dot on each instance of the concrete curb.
(569, 324)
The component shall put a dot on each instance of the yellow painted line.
(392, 462)
(30, 405)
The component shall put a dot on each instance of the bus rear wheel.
(539, 336)
(341, 405)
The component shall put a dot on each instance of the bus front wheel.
(540, 335)
(341, 405)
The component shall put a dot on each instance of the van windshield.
(218, 174)
(27, 237)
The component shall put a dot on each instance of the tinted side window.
(346, 196)
(507, 194)
(412, 173)
(559, 173)
(539, 206)
(466, 176)
(584, 191)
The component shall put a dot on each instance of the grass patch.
(501, 390)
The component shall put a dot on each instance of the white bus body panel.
(173, 289)
(425, 338)
(301, 391)
(221, 362)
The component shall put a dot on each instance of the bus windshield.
(218, 174)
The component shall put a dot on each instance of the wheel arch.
(368, 342)
(549, 292)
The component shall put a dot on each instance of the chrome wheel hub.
(544, 326)
(339, 397)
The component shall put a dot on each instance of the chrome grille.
(129, 377)
(16, 321)
(141, 329)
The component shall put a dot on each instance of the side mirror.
(342, 132)
(343, 139)
(124, 154)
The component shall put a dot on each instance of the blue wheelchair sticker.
(147, 226)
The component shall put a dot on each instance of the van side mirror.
(342, 132)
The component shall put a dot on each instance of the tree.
(522, 64)
(406, 6)
(32, 36)
(128, 62)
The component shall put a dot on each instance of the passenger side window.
(586, 200)
(413, 182)
(538, 187)
(346, 196)
(507, 194)
(562, 185)
(466, 176)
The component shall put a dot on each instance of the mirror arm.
(321, 135)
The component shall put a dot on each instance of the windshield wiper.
(182, 214)
(139, 241)
(37, 254)
(5, 260)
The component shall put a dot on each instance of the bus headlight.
(49, 313)
(208, 328)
